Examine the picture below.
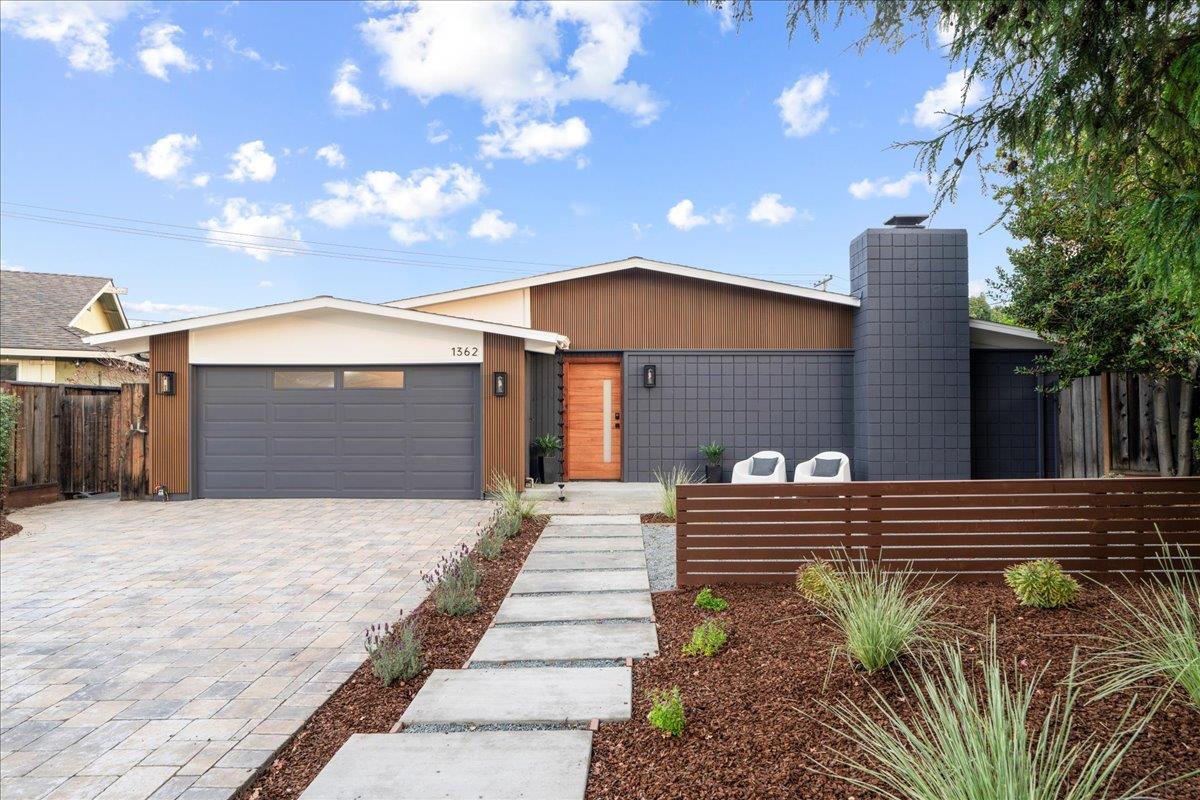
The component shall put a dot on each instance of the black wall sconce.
(164, 383)
(500, 384)
(650, 376)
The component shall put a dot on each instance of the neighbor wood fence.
(761, 533)
(78, 439)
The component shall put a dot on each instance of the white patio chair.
(804, 470)
(741, 470)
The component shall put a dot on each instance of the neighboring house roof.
(39, 312)
(633, 262)
(137, 340)
(997, 335)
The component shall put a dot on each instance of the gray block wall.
(912, 407)
(1006, 439)
(797, 402)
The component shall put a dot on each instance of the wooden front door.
(592, 417)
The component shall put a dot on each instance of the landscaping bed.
(8, 528)
(754, 713)
(364, 705)
(657, 518)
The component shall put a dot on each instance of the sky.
(239, 154)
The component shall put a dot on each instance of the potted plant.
(713, 452)
(545, 445)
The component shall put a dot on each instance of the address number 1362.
(464, 351)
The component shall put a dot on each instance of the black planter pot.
(712, 473)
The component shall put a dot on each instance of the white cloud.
(230, 43)
(186, 309)
(801, 105)
(684, 217)
(412, 207)
(265, 284)
(489, 225)
(977, 286)
(332, 155)
(347, 97)
(201, 179)
(78, 30)
(4, 265)
(953, 96)
(165, 159)
(251, 162)
(535, 140)
(886, 187)
(769, 209)
(159, 51)
(640, 229)
(436, 133)
(947, 28)
(242, 221)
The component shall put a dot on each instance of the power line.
(285, 239)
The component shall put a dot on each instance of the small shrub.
(506, 491)
(490, 543)
(1152, 633)
(712, 452)
(667, 481)
(710, 602)
(394, 650)
(666, 712)
(547, 444)
(707, 639)
(10, 415)
(452, 583)
(1042, 584)
(880, 613)
(508, 525)
(813, 581)
(967, 730)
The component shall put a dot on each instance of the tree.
(1070, 282)
(1106, 91)
(978, 307)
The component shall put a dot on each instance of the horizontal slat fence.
(761, 533)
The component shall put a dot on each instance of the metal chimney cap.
(906, 220)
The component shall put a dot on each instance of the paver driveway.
(166, 649)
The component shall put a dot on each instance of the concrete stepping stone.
(595, 519)
(585, 580)
(621, 559)
(487, 765)
(582, 607)
(567, 642)
(545, 695)
(568, 544)
(557, 531)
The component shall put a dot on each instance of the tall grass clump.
(1151, 634)
(667, 481)
(880, 613)
(505, 490)
(966, 732)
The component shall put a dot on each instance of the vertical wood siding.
(504, 443)
(170, 422)
(638, 309)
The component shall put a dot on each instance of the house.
(634, 362)
(43, 319)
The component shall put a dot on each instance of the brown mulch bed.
(753, 711)
(657, 518)
(8, 528)
(362, 705)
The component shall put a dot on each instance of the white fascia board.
(998, 335)
(30, 352)
(318, 303)
(630, 263)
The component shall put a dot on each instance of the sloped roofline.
(633, 262)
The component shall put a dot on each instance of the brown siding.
(638, 309)
(170, 423)
(504, 417)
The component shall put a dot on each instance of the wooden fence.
(79, 439)
(761, 533)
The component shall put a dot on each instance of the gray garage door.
(402, 431)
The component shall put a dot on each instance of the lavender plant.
(394, 650)
(452, 583)
(491, 540)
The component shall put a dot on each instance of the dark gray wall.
(1006, 439)
(912, 408)
(543, 401)
(797, 402)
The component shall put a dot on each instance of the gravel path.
(660, 556)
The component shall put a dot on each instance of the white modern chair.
(804, 470)
(741, 470)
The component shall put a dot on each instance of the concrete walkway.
(517, 722)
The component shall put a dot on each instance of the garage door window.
(303, 379)
(373, 379)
